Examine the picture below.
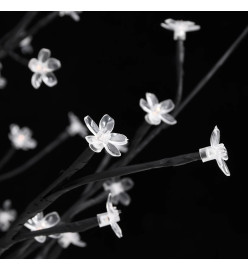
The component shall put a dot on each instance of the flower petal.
(144, 105)
(124, 198)
(36, 80)
(32, 64)
(96, 148)
(151, 99)
(44, 55)
(118, 139)
(215, 136)
(51, 220)
(91, 125)
(168, 119)
(113, 150)
(127, 183)
(166, 106)
(116, 228)
(223, 166)
(107, 123)
(40, 239)
(49, 79)
(53, 64)
(152, 120)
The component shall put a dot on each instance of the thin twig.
(7, 157)
(180, 61)
(49, 148)
(79, 226)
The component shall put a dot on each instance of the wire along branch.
(162, 163)
(79, 226)
(179, 64)
(49, 148)
(41, 202)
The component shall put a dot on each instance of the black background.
(109, 61)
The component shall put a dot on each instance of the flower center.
(103, 137)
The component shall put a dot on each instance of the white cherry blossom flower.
(110, 218)
(157, 112)
(76, 126)
(71, 238)
(26, 46)
(180, 27)
(21, 138)
(103, 136)
(73, 14)
(216, 151)
(118, 190)
(7, 216)
(43, 68)
(41, 222)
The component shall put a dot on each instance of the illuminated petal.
(124, 198)
(44, 55)
(152, 120)
(96, 148)
(116, 228)
(144, 105)
(91, 125)
(151, 99)
(51, 220)
(168, 119)
(53, 64)
(36, 80)
(107, 123)
(166, 106)
(127, 183)
(112, 150)
(118, 139)
(215, 137)
(33, 63)
(223, 167)
(40, 239)
(49, 79)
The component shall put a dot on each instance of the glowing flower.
(103, 138)
(25, 45)
(71, 238)
(73, 14)
(157, 112)
(118, 190)
(180, 28)
(7, 216)
(21, 138)
(110, 218)
(3, 81)
(41, 222)
(76, 126)
(43, 68)
(216, 151)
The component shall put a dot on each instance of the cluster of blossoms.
(102, 138)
